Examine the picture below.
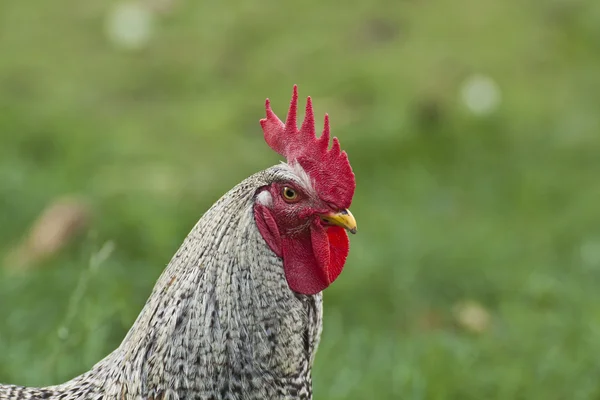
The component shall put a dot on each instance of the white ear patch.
(265, 198)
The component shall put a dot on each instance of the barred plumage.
(237, 313)
(221, 322)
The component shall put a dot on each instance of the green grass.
(502, 209)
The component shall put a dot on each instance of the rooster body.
(222, 321)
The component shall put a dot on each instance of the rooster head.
(303, 213)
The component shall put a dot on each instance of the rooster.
(237, 313)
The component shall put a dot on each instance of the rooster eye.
(289, 194)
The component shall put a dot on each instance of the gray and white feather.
(221, 322)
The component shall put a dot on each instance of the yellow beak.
(344, 218)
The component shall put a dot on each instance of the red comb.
(329, 169)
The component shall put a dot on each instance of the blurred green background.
(472, 127)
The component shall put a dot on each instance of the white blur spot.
(129, 25)
(265, 198)
(63, 333)
(590, 253)
(480, 94)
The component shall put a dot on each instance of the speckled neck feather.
(221, 322)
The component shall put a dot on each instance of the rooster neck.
(222, 318)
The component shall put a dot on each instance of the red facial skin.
(313, 252)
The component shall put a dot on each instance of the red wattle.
(313, 259)
(312, 262)
(302, 270)
(339, 246)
